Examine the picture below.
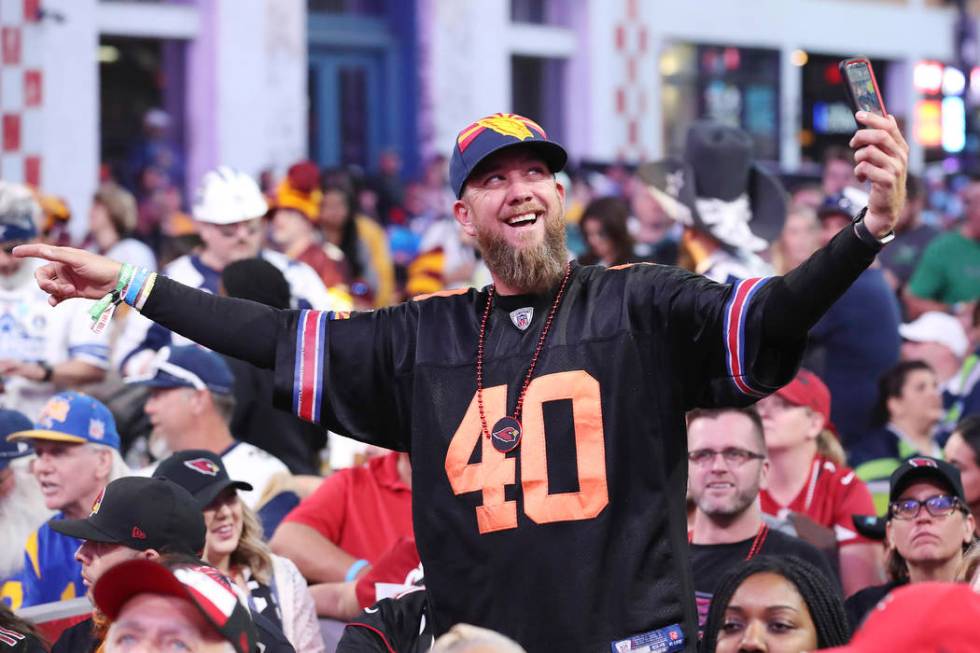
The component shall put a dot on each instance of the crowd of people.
(465, 412)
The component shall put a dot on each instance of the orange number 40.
(495, 470)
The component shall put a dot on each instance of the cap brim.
(159, 381)
(870, 526)
(40, 434)
(82, 529)
(552, 153)
(208, 494)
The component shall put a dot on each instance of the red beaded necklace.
(507, 431)
(760, 539)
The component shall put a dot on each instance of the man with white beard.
(22, 507)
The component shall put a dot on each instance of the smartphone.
(861, 85)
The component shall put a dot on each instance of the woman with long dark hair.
(781, 603)
(605, 232)
(370, 271)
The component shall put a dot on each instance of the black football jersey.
(576, 540)
(397, 624)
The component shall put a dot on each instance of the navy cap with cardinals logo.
(926, 468)
(141, 513)
(200, 472)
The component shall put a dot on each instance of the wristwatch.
(862, 231)
(48, 371)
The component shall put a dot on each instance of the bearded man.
(22, 507)
(579, 377)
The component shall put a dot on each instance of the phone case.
(842, 66)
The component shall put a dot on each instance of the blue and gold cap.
(73, 417)
(488, 135)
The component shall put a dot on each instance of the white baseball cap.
(937, 327)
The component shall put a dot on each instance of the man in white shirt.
(190, 407)
(42, 350)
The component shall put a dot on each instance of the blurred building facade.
(257, 84)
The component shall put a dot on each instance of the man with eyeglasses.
(727, 467)
(41, 351)
(928, 528)
(229, 213)
(191, 406)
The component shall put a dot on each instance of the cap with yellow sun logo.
(488, 135)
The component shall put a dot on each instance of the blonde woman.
(272, 584)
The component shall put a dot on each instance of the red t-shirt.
(364, 510)
(830, 497)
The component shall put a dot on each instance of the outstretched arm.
(235, 327)
(805, 294)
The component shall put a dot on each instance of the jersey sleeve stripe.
(308, 366)
(734, 332)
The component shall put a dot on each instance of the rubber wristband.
(355, 569)
(136, 285)
(145, 292)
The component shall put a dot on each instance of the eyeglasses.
(251, 227)
(733, 456)
(941, 505)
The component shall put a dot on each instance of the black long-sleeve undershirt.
(249, 331)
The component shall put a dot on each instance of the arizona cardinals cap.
(141, 513)
(492, 133)
(202, 586)
(200, 472)
(924, 467)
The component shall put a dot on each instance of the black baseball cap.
(926, 468)
(200, 472)
(141, 513)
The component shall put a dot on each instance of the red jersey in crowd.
(364, 510)
(832, 494)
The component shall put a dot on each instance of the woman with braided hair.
(783, 603)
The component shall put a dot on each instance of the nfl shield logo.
(522, 317)
(96, 429)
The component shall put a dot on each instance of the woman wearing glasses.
(928, 529)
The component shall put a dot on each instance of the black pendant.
(506, 434)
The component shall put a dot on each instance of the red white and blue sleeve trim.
(308, 367)
(736, 312)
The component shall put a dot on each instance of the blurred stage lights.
(928, 76)
(954, 81)
(799, 58)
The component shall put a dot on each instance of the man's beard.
(533, 269)
(742, 501)
(21, 512)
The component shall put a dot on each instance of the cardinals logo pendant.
(506, 434)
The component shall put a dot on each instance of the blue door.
(348, 125)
